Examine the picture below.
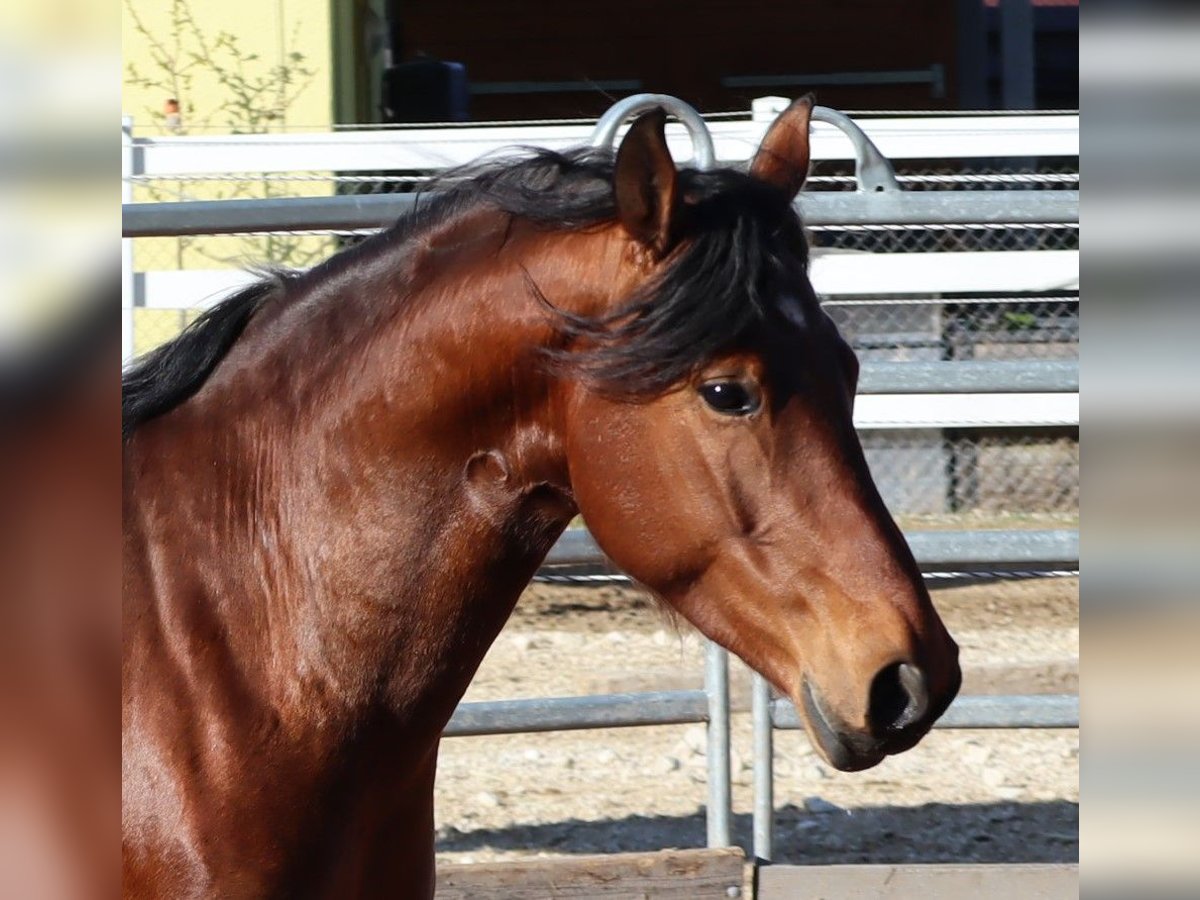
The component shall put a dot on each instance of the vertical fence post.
(127, 280)
(1016, 54)
(716, 685)
(764, 767)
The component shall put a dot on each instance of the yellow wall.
(272, 29)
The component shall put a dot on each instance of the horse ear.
(782, 158)
(645, 183)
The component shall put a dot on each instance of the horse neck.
(379, 499)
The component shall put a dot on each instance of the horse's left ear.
(782, 158)
(645, 183)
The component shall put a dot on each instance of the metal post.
(127, 280)
(1016, 52)
(972, 55)
(716, 685)
(958, 344)
(764, 767)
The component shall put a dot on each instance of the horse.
(338, 482)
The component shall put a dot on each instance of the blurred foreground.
(1140, 774)
(59, 452)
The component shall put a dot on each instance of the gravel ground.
(984, 796)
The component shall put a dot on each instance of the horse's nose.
(899, 699)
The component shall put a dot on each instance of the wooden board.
(667, 875)
(978, 882)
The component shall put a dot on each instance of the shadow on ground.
(1044, 832)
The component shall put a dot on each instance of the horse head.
(712, 451)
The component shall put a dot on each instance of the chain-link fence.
(965, 478)
(968, 478)
(977, 478)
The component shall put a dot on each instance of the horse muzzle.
(901, 710)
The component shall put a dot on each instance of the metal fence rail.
(981, 711)
(970, 377)
(631, 710)
(367, 211)
(369, 151)
(933, 550)
(575, 713)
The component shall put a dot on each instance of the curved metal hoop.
(872, 170)
(605, 132)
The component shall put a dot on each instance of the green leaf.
(1017, 321)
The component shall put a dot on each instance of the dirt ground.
(983, 796)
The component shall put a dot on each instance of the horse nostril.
(899, 697)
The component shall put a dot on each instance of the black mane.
(171, 373)
(740, 238)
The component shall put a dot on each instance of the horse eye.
(730, 397)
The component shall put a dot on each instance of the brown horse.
(338, 483)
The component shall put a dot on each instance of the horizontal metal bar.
(359, 211)
(573, 713)
(187, 217)
(1013, 711)
(554, 87)
(885, 76)
(683, 707)
(933, 550)
(936, 550)
(980, 711)
(939, 207)
(575, 546)
(970, 377)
